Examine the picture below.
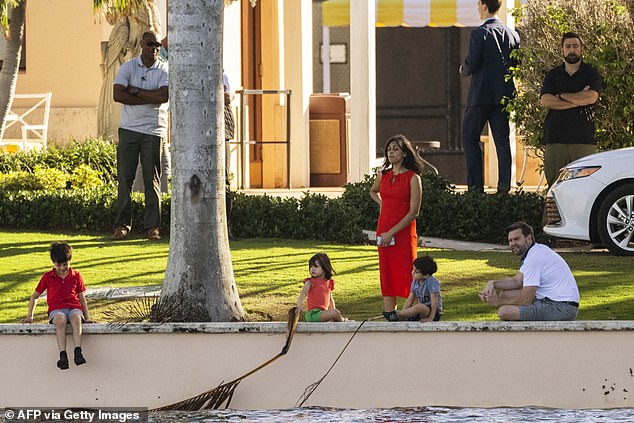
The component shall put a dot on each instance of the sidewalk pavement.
(561, 245)
(109, 293)
(449, 244)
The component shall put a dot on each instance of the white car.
(593, 200)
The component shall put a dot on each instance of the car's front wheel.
(616, 221)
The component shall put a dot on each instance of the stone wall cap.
(344, 327)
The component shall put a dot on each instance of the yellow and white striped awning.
(408, 12)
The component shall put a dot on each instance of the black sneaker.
(391, 316)
(79, 358)
(414, 318)
(62, 363)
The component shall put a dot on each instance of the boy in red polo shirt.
(66, 302)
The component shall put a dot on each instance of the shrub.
(39, 179)
(85, 176)
(447, 214)
(311, 217)
(608, 34)
(475, 217)
(32, 196)
(357, 196)
(97, 154)
(80, 209)
(50, 179)
(444, 213)
(330, 220)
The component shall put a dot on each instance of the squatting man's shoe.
(391, 316)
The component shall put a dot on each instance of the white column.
(298, 76)
(363, 88)
(325, 58)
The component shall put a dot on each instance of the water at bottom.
(400, 415)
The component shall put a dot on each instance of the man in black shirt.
(569, 91)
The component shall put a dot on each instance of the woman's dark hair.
(411, 160)
(61, 252)
(324, 262)
(425, 265)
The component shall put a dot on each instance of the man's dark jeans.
(134, 146)
(475, 117)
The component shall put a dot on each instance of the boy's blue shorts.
(66, 312)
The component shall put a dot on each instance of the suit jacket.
(488, 63)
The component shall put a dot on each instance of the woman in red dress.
(398, 191)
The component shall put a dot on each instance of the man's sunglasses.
(151, 44)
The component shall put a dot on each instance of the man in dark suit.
(488, 63)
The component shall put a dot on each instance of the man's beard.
(572, 59)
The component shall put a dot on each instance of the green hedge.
(311, 217)
(31, 197)
(476, 217)
(463, 216)
(78, 209)
(444, 213)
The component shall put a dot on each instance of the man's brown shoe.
(154, 234)
(120, 233)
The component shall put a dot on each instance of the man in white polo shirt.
(142, 87)
(543, 289)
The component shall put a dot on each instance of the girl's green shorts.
(313, 315)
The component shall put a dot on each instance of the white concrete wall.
(457, 364)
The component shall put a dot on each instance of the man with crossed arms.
(141, 85)
(570, 92)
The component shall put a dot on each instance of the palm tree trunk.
(199, 275)
(11, 62)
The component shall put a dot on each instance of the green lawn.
(269, 272)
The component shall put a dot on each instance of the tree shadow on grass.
(33, 247)
(612, 310)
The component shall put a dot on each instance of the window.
(338, 53)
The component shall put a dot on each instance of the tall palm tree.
(199, 275)
(199, 271)
(13, 30)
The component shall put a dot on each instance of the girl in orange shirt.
(318, 291)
